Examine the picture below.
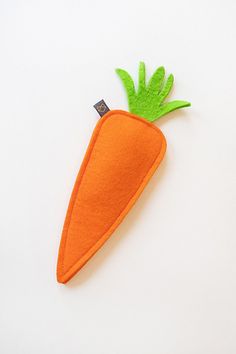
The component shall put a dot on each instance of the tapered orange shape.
(123, 154)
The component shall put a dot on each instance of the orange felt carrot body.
(123, 154)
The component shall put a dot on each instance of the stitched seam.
(118, 215)
(130, 115)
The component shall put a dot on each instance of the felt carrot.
(124, 152)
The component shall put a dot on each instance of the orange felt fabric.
(123, 153)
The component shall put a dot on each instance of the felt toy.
(125, 150)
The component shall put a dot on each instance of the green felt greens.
(148, 100)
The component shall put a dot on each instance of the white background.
(166, 280)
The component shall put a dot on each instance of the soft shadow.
(106, 251)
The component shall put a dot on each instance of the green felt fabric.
(148, 100)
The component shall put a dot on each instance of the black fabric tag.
(101, 108)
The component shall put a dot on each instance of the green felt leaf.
(156, 80)
(127, 81)
(142, 78)
(171, 106)
(148, 100)
(167, 87)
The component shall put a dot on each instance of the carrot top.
(148, 100)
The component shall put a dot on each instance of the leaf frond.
(171, 106)
(166, 88)
(148, 100)
(127, 81)
(142, 77)
(156, 81)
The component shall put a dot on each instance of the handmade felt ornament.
(125, 150)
